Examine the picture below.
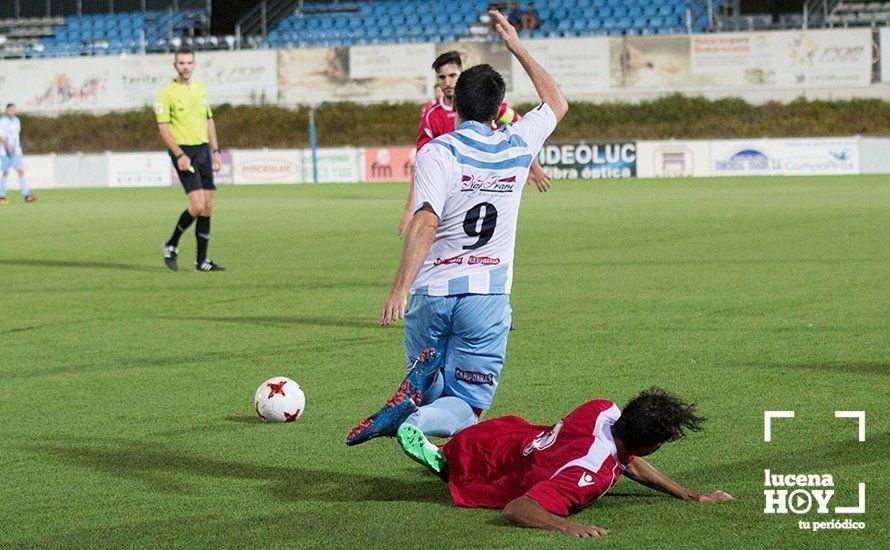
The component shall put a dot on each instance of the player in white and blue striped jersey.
(457, 262)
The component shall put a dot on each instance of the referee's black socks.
(202, 232)
(185, 221)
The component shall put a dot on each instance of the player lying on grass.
(539, 474)
(457, 261)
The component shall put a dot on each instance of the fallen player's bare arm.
(526, 512)
(645, 474)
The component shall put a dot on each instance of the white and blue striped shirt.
(10, 130)
(472, 178)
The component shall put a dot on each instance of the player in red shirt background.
(437, 119)
(539, 474)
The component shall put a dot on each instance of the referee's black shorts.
(202, 164)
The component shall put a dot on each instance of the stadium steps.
(862, 13)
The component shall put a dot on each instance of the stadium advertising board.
(733, 60)
(874, 155)
(40, 172)
(785, 59)
(238, 77)
(823, 58)
(314, 75)
(231, 77)
(335, 165)
(583, 160)
(76, 171)
(110, 82)
(789, 157)
(226, 173)
(389, 163)
(474, 53)
(138, 170)
(885, 54)
(267, 166)
(650, 63)
(580, 69)
(404, 60)
(666, 159)
(61, 84)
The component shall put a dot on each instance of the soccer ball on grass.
(279, 399)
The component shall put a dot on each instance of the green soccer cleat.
(419, 448)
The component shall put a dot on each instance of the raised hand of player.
(580, 530)
(716, 496)
(505, 29)
(393, 308)
(537, 175)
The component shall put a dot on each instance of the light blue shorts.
(471, 331)
(16, 161)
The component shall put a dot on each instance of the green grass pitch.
(125, 389)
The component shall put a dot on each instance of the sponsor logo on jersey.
(457, 260)
(483, 260)
(586, 480)
(490, 184)
(543, 440)
(473, 377)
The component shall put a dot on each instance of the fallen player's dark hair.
(654, 417)
(446, 58)
(479, 93)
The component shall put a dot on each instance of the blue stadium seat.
(386, 21)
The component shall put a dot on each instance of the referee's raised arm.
(185, 122)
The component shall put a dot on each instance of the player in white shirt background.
(457, 261)
(11, 153)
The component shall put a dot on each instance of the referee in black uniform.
(185, 122)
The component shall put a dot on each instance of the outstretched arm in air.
(546, 87)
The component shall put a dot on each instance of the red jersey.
(437, 120)
(563, 467)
